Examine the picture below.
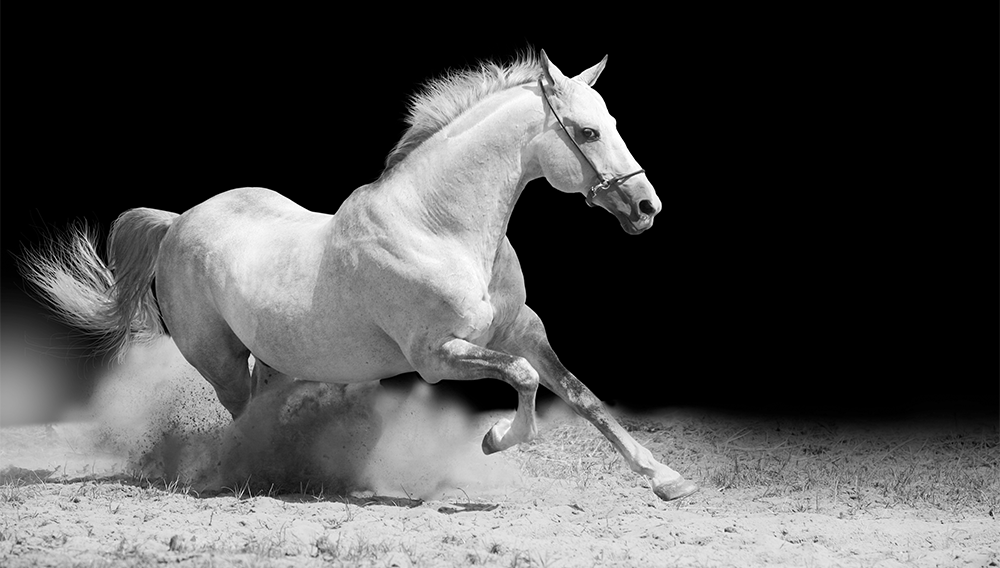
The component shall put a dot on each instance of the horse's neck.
(463, 182)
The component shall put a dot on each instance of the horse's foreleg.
(458, 359)
(526, 337)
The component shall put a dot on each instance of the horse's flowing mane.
(443, 99)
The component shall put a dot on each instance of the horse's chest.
(438, 289)
(491, 300)
(463, 292)
(476, 321)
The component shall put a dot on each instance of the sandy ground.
(155, 473)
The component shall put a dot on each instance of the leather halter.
(606, 183)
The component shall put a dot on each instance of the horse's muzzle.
(634, 216)
(641, 217)
(635, 228)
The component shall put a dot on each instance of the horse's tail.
(112, 302)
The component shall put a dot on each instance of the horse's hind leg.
(225, 367)
(526, 337)
(215, 351)
(265, 378)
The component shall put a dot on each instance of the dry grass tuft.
(851, 465)
(952, 468)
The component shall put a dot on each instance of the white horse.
(413, 273)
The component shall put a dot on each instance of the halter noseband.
(606, 183)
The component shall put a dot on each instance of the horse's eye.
(590, 134)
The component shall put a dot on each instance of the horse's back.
(238, 232)
(249, 208)
(245, 217)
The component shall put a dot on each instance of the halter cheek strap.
(606, 183)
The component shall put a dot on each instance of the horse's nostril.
(646, 206)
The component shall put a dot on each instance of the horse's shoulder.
(507, 292)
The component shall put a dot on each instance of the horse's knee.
(589, 403)
(525, 377)
(578, 397)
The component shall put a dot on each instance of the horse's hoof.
(675, 490)
(491, 441)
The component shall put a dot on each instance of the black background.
(806, 259)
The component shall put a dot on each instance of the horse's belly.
(365, 354)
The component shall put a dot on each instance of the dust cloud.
(163, 418)
(45, 372)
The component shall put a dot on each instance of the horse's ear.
(590, 75)
(552, 73)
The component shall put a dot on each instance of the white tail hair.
(112, 302)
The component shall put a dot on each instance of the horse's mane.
(443, 99)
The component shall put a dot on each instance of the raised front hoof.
(492, 441)
(675, 490)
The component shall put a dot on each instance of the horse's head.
(581, 151)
